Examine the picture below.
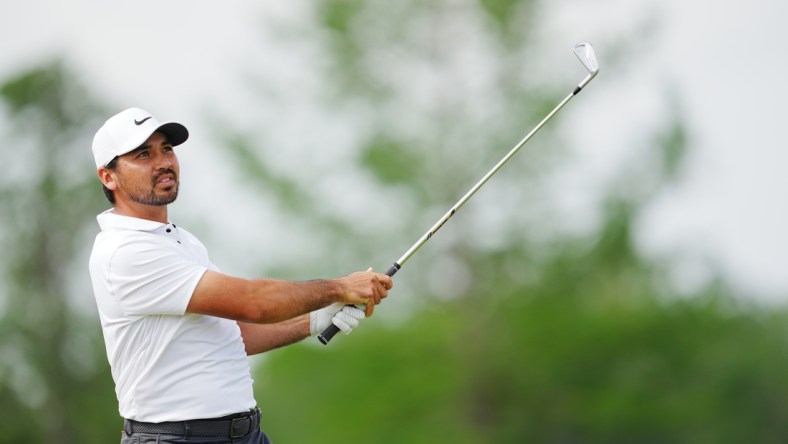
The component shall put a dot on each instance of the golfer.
(176, 330)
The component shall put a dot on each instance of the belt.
(232, 426)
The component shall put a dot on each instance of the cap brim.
(174, 131)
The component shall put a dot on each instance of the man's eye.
(143, 154)
(167, 149)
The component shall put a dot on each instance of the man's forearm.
(259, 338)
(286, 299)
(268, 301)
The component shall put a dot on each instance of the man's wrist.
(337, 291)
(304, 326)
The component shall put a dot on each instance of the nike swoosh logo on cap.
(140, 122)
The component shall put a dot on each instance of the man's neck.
(148, 212)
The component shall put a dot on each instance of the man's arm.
(270, 301)
(259, 338)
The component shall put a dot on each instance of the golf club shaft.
(332, 329)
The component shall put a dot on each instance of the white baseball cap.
(126, 131)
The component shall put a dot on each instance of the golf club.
(587, 57)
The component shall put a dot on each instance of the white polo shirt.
(167, 365)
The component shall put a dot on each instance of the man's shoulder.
(114, 244)
(117, 237)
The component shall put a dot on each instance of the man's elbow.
(239, 299)
(256, 314)
(259, 312)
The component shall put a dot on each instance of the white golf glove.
(345, 317)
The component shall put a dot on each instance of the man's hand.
(365, 288)
(319, 320)
(346, 317)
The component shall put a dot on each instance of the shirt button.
(168, 230)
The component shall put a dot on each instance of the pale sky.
(726, 64)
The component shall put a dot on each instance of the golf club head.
(585, 52)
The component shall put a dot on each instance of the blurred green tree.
(55, 385)
(529, 334)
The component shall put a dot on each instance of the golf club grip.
(332, 329)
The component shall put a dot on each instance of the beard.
(148, 196)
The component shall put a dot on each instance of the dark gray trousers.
(257, 437)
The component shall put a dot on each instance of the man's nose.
(163, 161)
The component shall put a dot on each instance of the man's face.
(149, 174)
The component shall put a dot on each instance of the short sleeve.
(147, 277)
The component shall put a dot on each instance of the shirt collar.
(109, 220)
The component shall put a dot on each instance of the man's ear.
(107, 177)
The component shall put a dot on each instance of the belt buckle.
(241, 433)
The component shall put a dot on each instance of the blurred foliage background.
(507, 327)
